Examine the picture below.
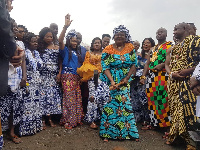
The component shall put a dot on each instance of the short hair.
(27, 38)
(22, 26)
(163, 29)
(106, 35)
(192, 25)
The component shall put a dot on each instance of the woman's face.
(33, 43)
(120, 37)
(146, 45)
(15, 29)
(20, 34)
(48, 38)
(97, 45)
(73, 42)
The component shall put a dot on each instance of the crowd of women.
(124, 85)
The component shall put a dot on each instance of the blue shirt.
(69, 66)
(83, 52)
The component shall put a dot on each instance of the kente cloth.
(156, 87)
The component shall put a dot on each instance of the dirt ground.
(84, 138)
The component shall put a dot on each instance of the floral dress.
(117, 120)
(32, 116)
(50, 92)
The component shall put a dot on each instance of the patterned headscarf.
(122, 28)
(70, 34)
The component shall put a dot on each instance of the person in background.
(10, 54)
(84, 85)
(72, 112)
(136, 45)
(32, 116)
(50, 91)
(105, 40)
(11, 104)
(138, 91)
(54, 28)
(98, 90)
(118, 65)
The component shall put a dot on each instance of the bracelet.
(170, 74)
(142, 77)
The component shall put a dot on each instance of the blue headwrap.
(122, 28)
(70, 34)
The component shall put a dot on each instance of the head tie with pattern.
(122, 28)
(70, 34)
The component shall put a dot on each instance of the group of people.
(114, 85)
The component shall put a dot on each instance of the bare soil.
(84, 138)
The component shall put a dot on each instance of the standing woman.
(138, 91)
(118, 64)
(71, 60)
(50, 91)
(32, 117)
(98, 90)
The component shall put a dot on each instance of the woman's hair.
(78, 51)
(25, 29)
(96, 38)
(42, 45)
(27, 39)
(152, 45)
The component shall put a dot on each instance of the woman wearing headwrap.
(118, 64)
(71, 60)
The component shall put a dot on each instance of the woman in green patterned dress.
(118, 64)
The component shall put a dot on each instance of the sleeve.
(106, 59)
(7, 39)
(133, 57)
(87, 58)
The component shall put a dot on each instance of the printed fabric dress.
(50, 91)
(138, 93)
(117, 120)
(156, 87)
(12, 102)
(72, 102)
(100, 93)
(32, 116)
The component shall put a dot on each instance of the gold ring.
(20, 61)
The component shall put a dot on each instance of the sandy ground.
(84, 138)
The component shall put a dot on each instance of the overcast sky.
(93, 18)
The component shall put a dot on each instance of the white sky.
(92, 18)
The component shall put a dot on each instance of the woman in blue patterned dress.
(118, 65)
(138, 91)
(50, 91)
(32, 117)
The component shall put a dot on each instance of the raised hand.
(67, 20)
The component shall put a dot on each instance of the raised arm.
(62, 34)
(167, 62)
